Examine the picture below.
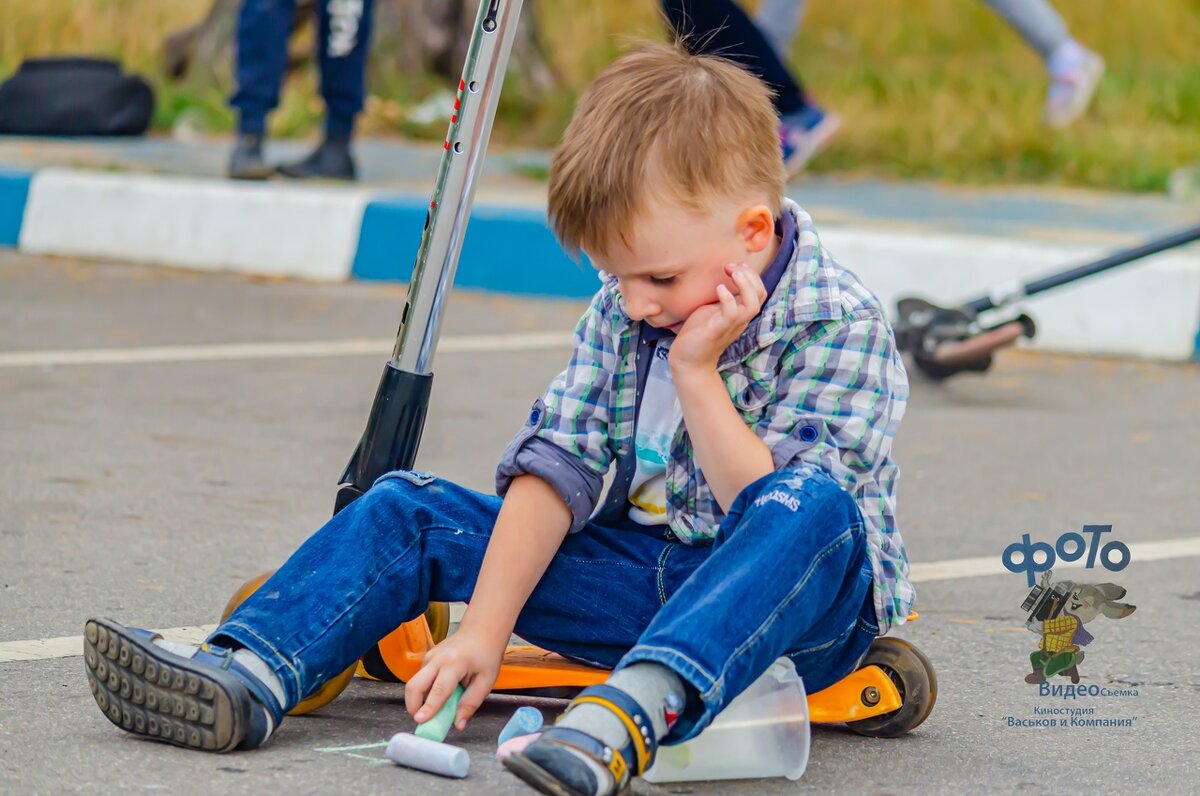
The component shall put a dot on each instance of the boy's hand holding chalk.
(465, 658)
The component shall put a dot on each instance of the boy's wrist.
(687, 376)
(490, 629)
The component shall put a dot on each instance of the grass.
(931, 89)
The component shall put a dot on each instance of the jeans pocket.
(414, 477)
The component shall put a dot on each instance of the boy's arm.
(728, 452)
(529, 530)
(532, 523)
(565, 439)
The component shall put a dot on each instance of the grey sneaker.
(247, 162)
(1071, 89)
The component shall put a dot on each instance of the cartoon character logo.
(1058, 613)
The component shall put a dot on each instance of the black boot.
(247, 162)
(329, 161)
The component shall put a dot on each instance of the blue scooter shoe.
(208, 702)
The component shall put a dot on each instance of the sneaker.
(208, 701)
(246, 162)
(331, 160)
(803, 134)
(1073, 81)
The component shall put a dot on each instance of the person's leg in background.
(343, 41)
(1074, 70)
(720, 27)
(779, 21)
(260, 58)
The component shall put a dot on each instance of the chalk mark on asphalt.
(352, 751)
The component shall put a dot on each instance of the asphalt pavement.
(146, 487)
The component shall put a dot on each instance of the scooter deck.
(528, 667)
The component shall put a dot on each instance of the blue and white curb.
(14, 191)
(507, 249)
(1150, 309)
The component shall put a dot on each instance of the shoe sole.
(537, 777)
(147, 691)
(258, 173)
(283, 171)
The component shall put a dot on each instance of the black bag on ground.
(74, 96)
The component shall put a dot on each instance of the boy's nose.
(640, 308)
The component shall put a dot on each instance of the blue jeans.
(788, 574)
(342, 38)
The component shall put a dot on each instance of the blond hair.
(661, 122)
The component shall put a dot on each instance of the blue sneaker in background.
(803, 134)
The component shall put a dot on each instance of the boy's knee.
(811, 498)
(415, 499)
(395, 495)
(806, 486)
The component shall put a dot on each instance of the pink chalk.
(517, 744)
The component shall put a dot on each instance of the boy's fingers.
(443, 686)
(742, 303)
(416, 688)
(472, 698)
(727, 300)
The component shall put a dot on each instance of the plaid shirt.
(816, 375)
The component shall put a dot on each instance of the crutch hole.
(458, 147)
(473, 87)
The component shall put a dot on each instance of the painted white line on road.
(462, 344)
(68, 646)
(991, 565)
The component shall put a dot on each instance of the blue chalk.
(525, 721)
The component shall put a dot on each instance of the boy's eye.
(662, 280)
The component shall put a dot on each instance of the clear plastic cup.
(763, 733)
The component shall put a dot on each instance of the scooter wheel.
(437, 615)
(916, 681)
(328, 690)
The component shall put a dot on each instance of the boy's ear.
(756, 226)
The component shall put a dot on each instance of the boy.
(747, 389)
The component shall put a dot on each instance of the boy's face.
(676, 257)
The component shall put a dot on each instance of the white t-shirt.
(658, 420)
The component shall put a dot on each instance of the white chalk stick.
(406, 749)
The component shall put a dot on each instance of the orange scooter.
(892, 692)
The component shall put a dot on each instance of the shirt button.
(533, 417)
(808, 433)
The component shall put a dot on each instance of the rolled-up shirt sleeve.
(564, 439)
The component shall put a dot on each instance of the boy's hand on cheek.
(713, 327)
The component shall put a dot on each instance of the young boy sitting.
(747, 389)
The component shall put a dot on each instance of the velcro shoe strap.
(616, 761)
(631, 714)
(223, 657)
